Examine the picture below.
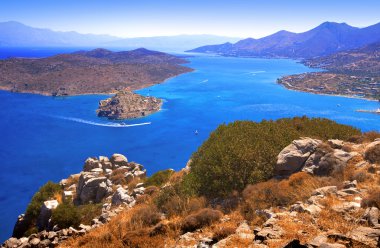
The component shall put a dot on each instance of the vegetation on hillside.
(245, 152)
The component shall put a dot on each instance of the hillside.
(327, 38)
(89, 72)
(288, 183)
(350, 73)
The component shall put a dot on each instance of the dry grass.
(333, 221)
(282, 193)
(372, 199)
(118, 177)
(299, 227)
(58, 197)
(73, 179)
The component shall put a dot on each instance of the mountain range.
(325, 39)
(15, 34)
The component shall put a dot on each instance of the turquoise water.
(46, 138)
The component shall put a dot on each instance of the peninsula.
(99, 71)
(128, 105)
(354, 73)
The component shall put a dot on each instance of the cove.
(46, 138)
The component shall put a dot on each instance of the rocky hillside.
(89, 72)
(126, 105)
(320, 193)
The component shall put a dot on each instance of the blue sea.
(48, 138)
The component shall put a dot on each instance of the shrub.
(372, 199)
(372, 154)
(245, 152)
(146, 215)
(371, 136)
(45, 193)
(200, 219)
(118, 176)
(66, 215)
(159, 178)
(88, 212)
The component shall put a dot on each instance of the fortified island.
(128, 105)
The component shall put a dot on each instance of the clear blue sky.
(240, 18)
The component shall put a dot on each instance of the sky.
(235, 18)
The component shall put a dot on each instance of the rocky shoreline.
(128, 105)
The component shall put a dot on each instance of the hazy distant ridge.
(17, 34)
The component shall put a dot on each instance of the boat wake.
(253, 73)
(109, 124)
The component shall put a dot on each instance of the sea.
(48, 138)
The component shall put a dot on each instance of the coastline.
(48, 94)
(325, 94)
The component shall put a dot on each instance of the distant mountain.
(17, 34)
(327, 38)
(173, 43)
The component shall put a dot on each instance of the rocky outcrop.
(93, 188)
(45, 214)
(128, 105)
(293, 157)
(312, 156)
(93, 185)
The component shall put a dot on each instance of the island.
(353, 73)
(127, 105)
(98, 71)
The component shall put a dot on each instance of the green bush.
(159, 178)
(32, 212)
(66, 215)
(245, 152)
(45, 193)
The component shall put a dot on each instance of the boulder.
(67, 195)
(118, 160)
(128, 177)
(34, 242)
(244, 231)
(335, 143)
(372, 216)
(323, 163)
(91, 163)
(325, 191)
(293, 157)
(121, 197)
(21, 226)
(139, 174)
(366, 235)
(92, 188)
(45, 214)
